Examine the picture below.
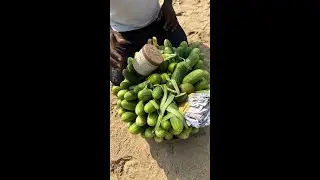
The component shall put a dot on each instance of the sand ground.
(134, 158)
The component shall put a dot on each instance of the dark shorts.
(139, 38)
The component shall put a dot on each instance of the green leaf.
(175, 85)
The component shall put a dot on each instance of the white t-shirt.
(128, 15)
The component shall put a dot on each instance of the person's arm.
(169, 15)
(116, 60)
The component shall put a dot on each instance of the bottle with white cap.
(147, 60)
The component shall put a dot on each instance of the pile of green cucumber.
(149, 104)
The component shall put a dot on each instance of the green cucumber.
(135, 129)
(201, 85)
(129, 105)
(193, 76)
(187, 88)
(130, 96)
(128, 116)
(115, 89)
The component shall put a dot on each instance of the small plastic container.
(147, 60)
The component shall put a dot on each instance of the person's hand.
(116, 60)
(167, 12)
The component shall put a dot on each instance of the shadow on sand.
(184, 159)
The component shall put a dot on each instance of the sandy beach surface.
(135, 158)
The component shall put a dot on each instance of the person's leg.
(175, 37)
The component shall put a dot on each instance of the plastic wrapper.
(197, 109)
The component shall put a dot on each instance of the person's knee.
(177, 37)
(116, 77)
(115, 82)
